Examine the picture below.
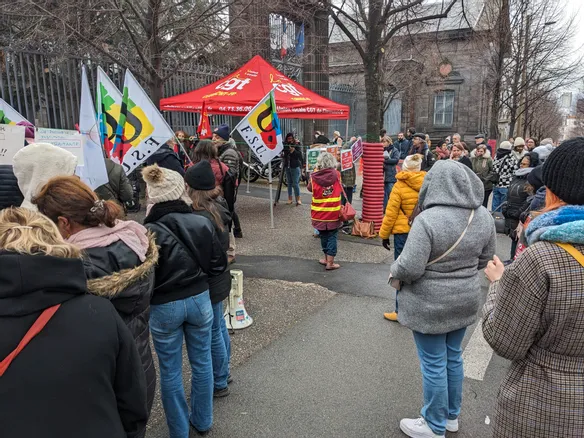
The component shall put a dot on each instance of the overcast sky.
(576, 7)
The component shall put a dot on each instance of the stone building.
(436, 74)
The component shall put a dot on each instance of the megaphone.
(236, 317)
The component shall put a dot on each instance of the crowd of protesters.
(105, 286)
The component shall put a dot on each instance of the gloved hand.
(385, 154)
(386, 244)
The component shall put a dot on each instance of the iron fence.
(46, 90)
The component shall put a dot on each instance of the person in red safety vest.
(326, 191)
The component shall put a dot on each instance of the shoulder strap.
(453, 247)
(186, 248)
(573, 252)
(35, 329)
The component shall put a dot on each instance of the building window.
(444, 108)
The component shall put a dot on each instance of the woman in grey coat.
(440, 292)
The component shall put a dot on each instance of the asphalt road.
(343, 371)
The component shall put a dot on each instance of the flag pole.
(347, 131)
(271, 196)
(248, 168)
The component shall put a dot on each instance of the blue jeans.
(399, 241)
(293, 179)
(499, 196)
(328, 242)
(386, 192)
(442, 375)
(220, 347)
(193, 318)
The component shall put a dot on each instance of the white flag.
(8, 115)
(109, 107)
(261, 130)
(93, 173)
(141, 127)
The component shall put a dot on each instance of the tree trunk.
(373, 100)
(156, 89)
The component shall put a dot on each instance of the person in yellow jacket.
(401, 204)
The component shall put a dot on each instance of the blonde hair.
(27, 232)
(387, 139)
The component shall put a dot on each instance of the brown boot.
(289, 200)
(330, 263)
(298, 200)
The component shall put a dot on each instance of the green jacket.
(118, 188)
(483, 167)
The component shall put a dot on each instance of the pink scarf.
(131, 233)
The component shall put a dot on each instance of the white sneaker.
(417, 428)
(452, 425)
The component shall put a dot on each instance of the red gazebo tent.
(239, 92)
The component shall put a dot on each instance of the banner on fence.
(11, 141)
(260, 129)
(312, 157)
(346, 160)
(63, 138)
(141, 128)
(8, 115)
(357, 149)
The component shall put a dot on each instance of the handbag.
(499, 219)
(347, 212)
(415, 213)
(363, 229)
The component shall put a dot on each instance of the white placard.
(63, 138)
(11, 141)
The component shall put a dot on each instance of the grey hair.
(326, 160)
(456, 134)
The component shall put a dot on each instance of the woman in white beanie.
(402, 202)
(506, 164)
(35, 164)
(190, 253)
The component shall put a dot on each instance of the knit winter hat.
(412, 163)
(222, 131)
(519, 142)
(563, 170)
(535, 178)
(200, 176)
(163, 184)
(506, 145)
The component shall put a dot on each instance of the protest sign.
(346, 160)
(311, 157)
(357, 149)
(63, 138)
(11, 141)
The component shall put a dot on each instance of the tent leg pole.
(271, 197)
(347, 131)
(248, 169)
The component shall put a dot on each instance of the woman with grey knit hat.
(190, 253)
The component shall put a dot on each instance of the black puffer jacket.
(167, 158)
(220, 286)
(10, 195)
(516, 199)
(81, 376)
(116, 273)
(190, 251)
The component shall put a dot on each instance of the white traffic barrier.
(236, 317)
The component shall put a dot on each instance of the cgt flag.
(8, 115)
(109, 106)
(261, 130)
(204, 128)
(141, 127)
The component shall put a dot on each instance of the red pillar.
(373, 183)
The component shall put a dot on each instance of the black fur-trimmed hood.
(112, 285)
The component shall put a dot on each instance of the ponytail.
(67, 196)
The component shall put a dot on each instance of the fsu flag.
(204, 128)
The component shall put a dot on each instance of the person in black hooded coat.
(81, 375)
(208, 203)
(10, 195)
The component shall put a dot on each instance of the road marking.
(477, 355)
